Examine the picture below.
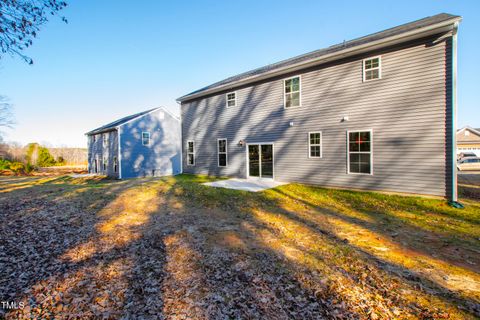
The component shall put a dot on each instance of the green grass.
(375, 250)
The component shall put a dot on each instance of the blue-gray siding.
(408, 111)
(103, 150)
(161, 157)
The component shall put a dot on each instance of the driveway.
(469, 184)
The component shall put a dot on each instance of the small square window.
(145, 138)
(372, 69)
(231, 99)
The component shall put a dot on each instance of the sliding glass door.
(260, 160)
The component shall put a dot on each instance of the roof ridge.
(112, 125)
(397, 30)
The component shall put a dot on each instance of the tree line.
(25, 159)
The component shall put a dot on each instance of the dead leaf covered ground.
(171, 248)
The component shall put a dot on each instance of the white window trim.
(149, 138)
(260, 154)
(193, 142)
(321, 145)
(226, 99)
(371, 152)
(226, 153)
(299, 91)
(379, 68)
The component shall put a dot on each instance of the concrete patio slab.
(252, 185)
(83, 175)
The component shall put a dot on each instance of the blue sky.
(119, 57)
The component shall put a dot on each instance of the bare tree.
(6, 114)
(20, 20)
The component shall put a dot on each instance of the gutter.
(414, 34)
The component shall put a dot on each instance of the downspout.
(454, 193)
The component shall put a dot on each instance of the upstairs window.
(315, 144)
(372, 69)
(94, 138)
(222, 152)
(105, 139)
(146, 138)
(190, 153)
(292, 92)
(231, 99)
(359, 152)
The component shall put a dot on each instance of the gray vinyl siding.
(408, 111)
(101, 150)
(161, 157)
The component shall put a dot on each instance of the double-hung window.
(105, 139)
(146, 138)
(231, 99)
(115, 164)
(222, 152)
(372, 68)
(190, 153)
(315, 144)
(359, 151)
(105, 163)
(291, 92)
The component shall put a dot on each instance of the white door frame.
(259, 163)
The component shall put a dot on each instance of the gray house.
(370, 113)
(144, 144)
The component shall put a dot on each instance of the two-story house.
(370, 113)
(468, 140)
(143, 144)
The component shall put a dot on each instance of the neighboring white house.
(468, 140)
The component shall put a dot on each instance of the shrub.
(5, 164)
(17, 167)
(29, 168)
(45, 159)
(60, 161)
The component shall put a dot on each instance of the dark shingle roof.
(428, 21)
(114, 124)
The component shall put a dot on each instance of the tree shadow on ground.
(161, 248)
